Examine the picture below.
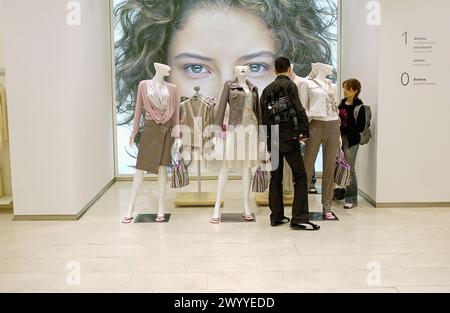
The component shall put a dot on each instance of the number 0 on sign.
(405, 79)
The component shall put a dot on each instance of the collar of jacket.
(356, 101)
(283, 77)
(234, 84)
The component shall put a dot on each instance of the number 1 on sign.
(405, 34)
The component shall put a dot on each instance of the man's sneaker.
(313, 190)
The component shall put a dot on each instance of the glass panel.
(203, 51)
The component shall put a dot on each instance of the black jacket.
(287, 131)
(350, 127)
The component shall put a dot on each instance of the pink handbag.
(342, 171)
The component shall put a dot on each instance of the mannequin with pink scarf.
(159, 100)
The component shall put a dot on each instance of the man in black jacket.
(281, 107)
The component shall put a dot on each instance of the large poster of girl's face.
(204, 40)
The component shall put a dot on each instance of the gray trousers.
(326, 134)
(351, 192)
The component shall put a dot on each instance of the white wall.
(5, 152)
(2, 58)
(407, 160)
(60, 104)
(359, 59)
(414, 128)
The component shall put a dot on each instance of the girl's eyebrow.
(242, 58)
(256, 55)
(194, 56)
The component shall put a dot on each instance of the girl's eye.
(195, 69)
(257, 68)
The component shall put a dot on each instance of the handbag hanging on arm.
(260, 181)
(342, 171)
(180, 175)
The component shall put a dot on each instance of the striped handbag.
(260, 181)
(342, 171)
(180, 175)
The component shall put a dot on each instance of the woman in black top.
(351, 129)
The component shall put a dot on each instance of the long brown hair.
(302, 29)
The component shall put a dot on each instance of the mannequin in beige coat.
(241, 74)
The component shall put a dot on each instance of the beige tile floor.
(368, 250)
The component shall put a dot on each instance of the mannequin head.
(324, 70)
(241, 72)
(162, 70)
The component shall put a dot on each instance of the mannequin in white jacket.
(319, 97)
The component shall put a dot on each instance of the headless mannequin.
(161, 71)
(321, 71)
(241, 73)
(319, 74)
(324, 70)
(330, 146)
(314, 71)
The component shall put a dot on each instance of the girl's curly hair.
(301, 29)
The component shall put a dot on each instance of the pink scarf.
(159, 116)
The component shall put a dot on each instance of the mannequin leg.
(223, 178)
(162, 182)
(137, 182)
(246, 181)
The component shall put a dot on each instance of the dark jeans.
(300, 210)
(351, 193)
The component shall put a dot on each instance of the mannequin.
(314, 71)
(161, 104)
(315, 84)
(243, 90)
(297, 79)
(320, 71)
(319, 98)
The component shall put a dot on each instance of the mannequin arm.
(300, 110)
(137, 114)
(223, 104)
(178, 144)
(335, 98)
(304, 96)
(176, 114)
